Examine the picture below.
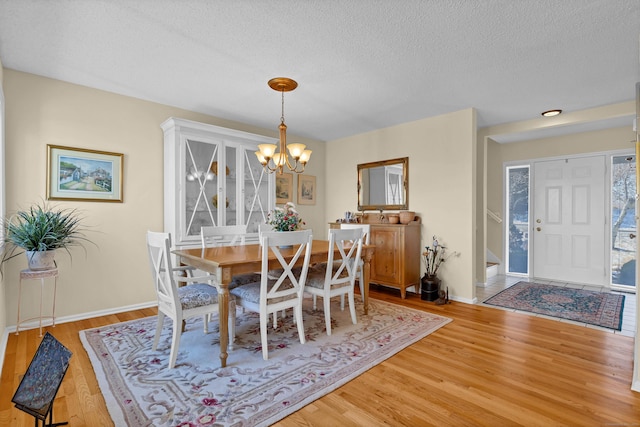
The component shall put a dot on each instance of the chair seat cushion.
(251, 292)
(316, 276)
(197, 295)
(243, 279)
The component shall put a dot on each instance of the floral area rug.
(594, 308)
(140, 391)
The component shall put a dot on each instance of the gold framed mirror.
(383, 185)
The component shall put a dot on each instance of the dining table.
(225, 262)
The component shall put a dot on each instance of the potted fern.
(39, 232)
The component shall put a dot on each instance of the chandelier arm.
(268, 166)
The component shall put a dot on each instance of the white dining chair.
(195, 299)
(274, 294)
(366, 239)
(337, 276)
(224, 235)
(263, 228)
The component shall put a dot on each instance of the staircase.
(492, 269)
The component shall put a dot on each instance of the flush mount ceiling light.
(551, 113)
(274, 161)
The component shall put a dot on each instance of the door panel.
(569, 212)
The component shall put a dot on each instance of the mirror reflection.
(383, 185)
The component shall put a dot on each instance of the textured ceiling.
(360, 64)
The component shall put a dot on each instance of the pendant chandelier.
(273, 161)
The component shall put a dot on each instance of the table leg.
(366, 274)
(223, 314)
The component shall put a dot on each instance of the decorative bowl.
(214, 200)
(214, 168)
(394, 219)
(407, 216)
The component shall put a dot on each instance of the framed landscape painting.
(306, 190)
(284, 188)
(81, 174)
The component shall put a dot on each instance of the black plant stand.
(40, 384)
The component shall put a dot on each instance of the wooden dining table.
(228, 261)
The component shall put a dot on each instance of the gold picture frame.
(82, 174)
(306, 190)
(284, 188)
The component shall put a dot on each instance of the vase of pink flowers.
(285, 218)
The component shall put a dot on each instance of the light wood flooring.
(488, 367)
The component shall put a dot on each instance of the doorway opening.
(617, 202)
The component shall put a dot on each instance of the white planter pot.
(41, 260)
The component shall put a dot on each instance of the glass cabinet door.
(201, 204)
(224, 191)
(212, 178)
(256, 192)
(232, 186)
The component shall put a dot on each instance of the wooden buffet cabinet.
(396, 259)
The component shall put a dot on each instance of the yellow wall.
(442, 164)
(574, 144)
(115, 274)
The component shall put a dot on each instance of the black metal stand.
(39, 386)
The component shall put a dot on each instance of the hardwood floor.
(488, 367)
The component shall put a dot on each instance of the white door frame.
(530, 162)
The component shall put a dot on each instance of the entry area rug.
(140, 391)
(594, 308)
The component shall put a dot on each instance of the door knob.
(538, 228)
(632, 236)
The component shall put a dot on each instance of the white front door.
(569, 220)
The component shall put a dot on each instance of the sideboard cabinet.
(212, 177)
(396, 260)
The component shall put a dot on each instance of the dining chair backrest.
(337, 276)
(225, 235)
(366, 239)
(348, 242)
(197, 299)
(281, 286)
(272, 242)
(159, 249)
(263, 228)
(366, 231)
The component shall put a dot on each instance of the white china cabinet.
(212, 177)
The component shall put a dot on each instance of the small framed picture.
(284, 188)
(306, 190)
(81, 174)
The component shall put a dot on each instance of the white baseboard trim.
(3, 347)
(82, 316)
(65, 319)
(464, 300)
